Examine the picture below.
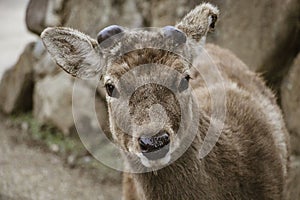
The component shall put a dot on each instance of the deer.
(249, 159)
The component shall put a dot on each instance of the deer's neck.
(180, 179)
(186, 178)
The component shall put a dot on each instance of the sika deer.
(156, 126)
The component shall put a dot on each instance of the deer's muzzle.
(155, 147)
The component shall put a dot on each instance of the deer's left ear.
(199, 21)
(75, 52)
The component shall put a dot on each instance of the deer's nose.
(155, 147)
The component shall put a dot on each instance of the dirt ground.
(30, 173)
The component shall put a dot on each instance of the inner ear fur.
(75, 52)
(198, 22)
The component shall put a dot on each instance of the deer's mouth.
(155, 162)
(157, 154)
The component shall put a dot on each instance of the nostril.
(145, 143)
(162, 139)
(153, 143)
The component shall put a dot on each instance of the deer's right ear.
(198, 22)
(75, 52)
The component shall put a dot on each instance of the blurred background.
(14, 35)
(41, 156)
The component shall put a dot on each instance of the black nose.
(155, 147)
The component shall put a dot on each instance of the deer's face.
(146, 77)
(150, 103)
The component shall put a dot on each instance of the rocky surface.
(35, 15)
(16, 87)
(14, 35)
(293, 188)
(99, 14)
(41, 14)
(290, 100)
(67, 105)
(45, 66)
(53, 101)
(255, 30)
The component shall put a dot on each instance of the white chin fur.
(155, 163)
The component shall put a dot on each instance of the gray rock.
(16, 87)
(165, 12)
(99, 14)
(55, 13)
(293, 188)
(41, 14)
(53, 100)
(290, 100)
(45, 67)
(39, 49)
(35, 15)
(255, 31)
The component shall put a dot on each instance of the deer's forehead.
(130, 40)
(151, 57)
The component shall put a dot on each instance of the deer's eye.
(111, 90)
(184, 83)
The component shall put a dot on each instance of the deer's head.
(146, 75)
